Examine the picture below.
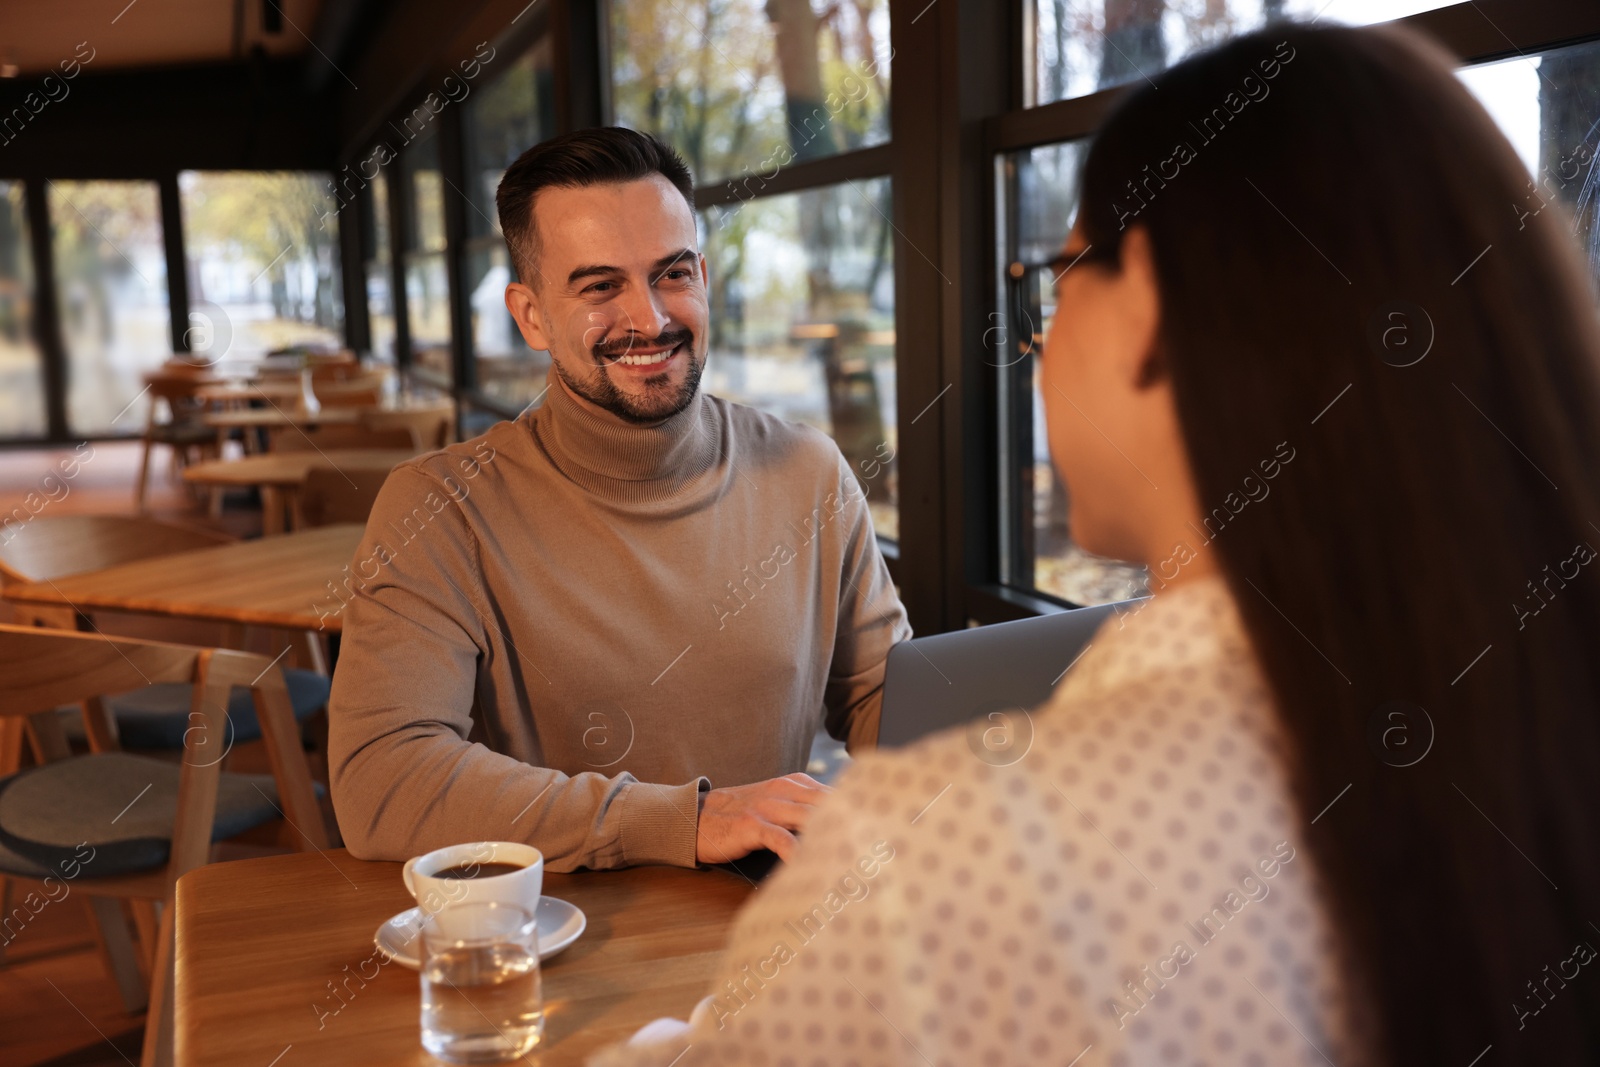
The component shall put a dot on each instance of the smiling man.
(611, 627)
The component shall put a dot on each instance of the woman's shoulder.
(1168, 695)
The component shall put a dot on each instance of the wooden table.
(276, 581)
(279, 418)
(262, 943)
(280, 474)
(277, 390)
(68, 544)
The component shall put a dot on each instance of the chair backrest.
(350, 398)
(335, 435)
(328, 496)
(47, 668)
(44, 669)
(178, 390)
(336, 368)
(433, 423)
(362, 390)
(54, 546)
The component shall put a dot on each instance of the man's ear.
(523, 303)
(1140, 300)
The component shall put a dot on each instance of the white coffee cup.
(520, 887)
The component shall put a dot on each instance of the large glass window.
(377, 268)
(262, 251)
(1548, 106)
(500, 122)
(22, 402)
(802, 282)
(111, 281)
(802, 320)
(427, 281)
(743, 86)
(1081, 46)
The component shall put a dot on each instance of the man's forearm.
(415, 789)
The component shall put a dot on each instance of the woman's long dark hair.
(1421, 571)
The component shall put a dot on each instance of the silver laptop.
(989, 672)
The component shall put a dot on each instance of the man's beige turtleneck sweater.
(564, 630)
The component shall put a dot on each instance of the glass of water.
(481, 1000)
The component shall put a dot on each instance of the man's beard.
(661, 399)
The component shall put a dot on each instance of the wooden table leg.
(271, 510)
(308, 650)
(11, 741)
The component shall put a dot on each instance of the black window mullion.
(464, 372)
(581, 85)
(355, 224)
(1064, 120)
(399, 250)
(177, 267)
(1481, 31)
(863, 163)
(47, 309)
(924, 294)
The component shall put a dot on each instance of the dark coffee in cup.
(479, 870)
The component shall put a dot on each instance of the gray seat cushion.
(22, 867)
(121, 806)
(156, 716)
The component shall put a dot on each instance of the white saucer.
(560, 924)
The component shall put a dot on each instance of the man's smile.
(651, 357)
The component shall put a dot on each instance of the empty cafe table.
(280, 582)
(280, 474)
(278, 419)
(234, 393)
(275, 420)
(275, 958)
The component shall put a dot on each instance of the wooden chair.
(147, 718)
(434, 424)
(335, 435)
(44, 669)
(363, 390)
(339, 367)
(174, 421)
(328, 496)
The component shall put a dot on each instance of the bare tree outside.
(258, 246)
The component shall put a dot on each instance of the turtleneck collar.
(622, 461)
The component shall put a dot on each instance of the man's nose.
(643, 312)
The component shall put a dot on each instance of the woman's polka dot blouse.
(1117, 879)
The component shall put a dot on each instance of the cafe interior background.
(302, 192)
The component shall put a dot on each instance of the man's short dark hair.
(599, 156)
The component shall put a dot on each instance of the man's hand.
(736, 821)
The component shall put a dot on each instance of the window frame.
(1484, 31)
(517, 47)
